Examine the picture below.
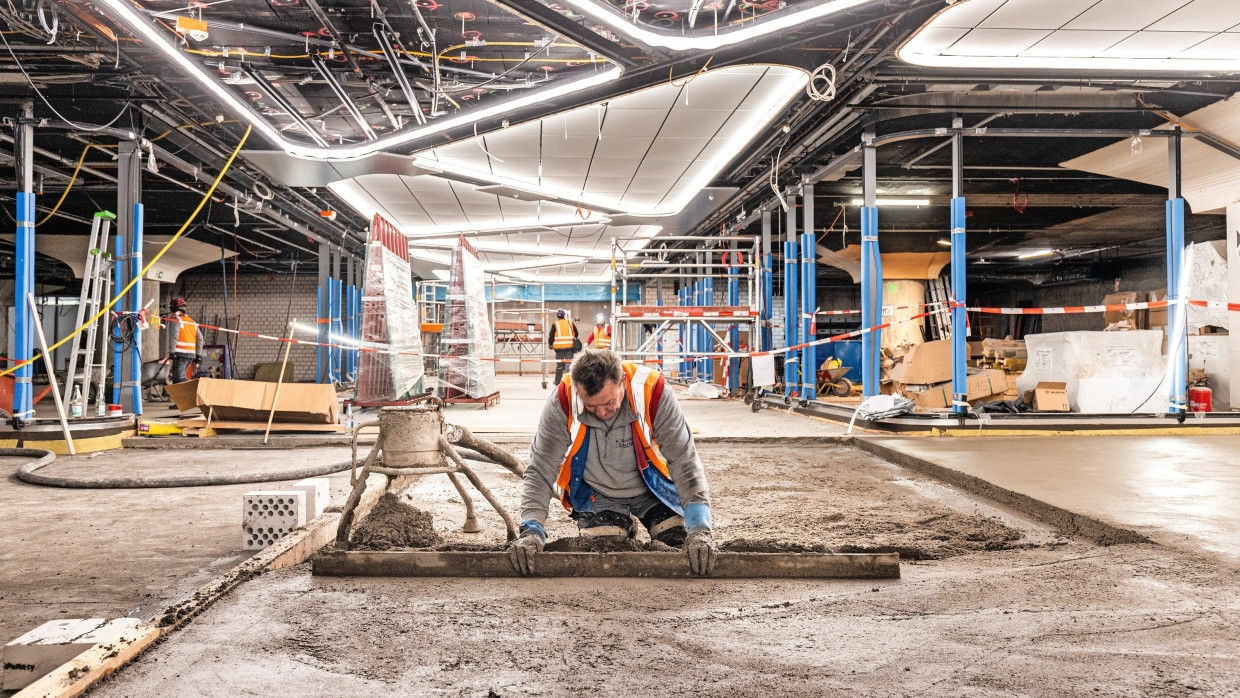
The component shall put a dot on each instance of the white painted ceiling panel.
(1047, 14)
(632, 123)
(1221, 46)
(931, 40)
(697, 122)
(561, 167)
(1155, 44)
(1077, 44)
(971, 14)
(622, 148)
(1201, 16)
(1125, 14)
(677, 149)
(1211, 179)
(557, 146)
(996, 42)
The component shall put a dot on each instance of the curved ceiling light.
(155, 37)
(1076, 35)
(781, 84)
(608, 15)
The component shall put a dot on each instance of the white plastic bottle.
(75, 403)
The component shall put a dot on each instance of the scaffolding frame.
(520, 332)
(701, 325)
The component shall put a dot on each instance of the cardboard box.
(925, 364)
(1051, 397)
(1156, 318)
(1111, 317)
(980, 385)
(250, 401)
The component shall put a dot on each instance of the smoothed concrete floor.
(1182, 491)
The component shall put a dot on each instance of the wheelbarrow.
(832, 380)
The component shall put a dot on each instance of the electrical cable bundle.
(124, 331)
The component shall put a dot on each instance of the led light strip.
(609, 16)
(154, 36)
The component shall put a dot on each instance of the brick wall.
(263, 303)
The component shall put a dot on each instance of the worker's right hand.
(522, 550)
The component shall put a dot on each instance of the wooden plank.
(418, 563)
(201, 423)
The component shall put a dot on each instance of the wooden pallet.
(486, 400)
(199, 427)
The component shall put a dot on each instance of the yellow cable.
(65, 193)
(138, 277)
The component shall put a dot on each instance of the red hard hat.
(177, 302)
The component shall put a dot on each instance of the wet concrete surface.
(1182, 491)
(996, 605)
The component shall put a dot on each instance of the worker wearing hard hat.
(600, 338)
(563, 339)
(184, 341)
(613, 444)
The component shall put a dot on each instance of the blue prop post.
(118, 282)
(681, 296)
(24, 319)
(708, 343)
(135, 305)
(871, 290)
(1177, 329)
(960, 343)
(792, 328)
(320, 359)
(809, 303)
(734, 331)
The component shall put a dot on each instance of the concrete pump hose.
(28, 473)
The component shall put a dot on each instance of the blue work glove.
(522, 550)
(699, 545)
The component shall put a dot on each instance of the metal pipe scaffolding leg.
(871, 301)
(23, 263)
(809, 293)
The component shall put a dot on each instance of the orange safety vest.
(187, 335)
(643, 388)
(602, 337)
(563, 334)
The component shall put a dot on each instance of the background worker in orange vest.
(612, 444)
(184, 341)
(563, 339)
(600, 338)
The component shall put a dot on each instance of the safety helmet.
(559, 312)
(178, 303)
(598, 319)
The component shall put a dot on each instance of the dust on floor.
(988, 608)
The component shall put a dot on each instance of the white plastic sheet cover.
(1105, 372)
(1205, 276)
(390, 324)
(467, 344)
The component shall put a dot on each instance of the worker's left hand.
(701, 549)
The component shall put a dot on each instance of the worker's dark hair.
(594, 367)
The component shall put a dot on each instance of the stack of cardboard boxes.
(924, 375)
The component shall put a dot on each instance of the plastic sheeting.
(1105, 372)
(389, 323)
(467, 347)
(1205, 267)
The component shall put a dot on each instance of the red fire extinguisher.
(1200, 399)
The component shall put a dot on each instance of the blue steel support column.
(791, 325)
(960, 343)
(871, 274)
(1177, 328)
(768, 285)
(708, 342)
(682, 293)
(734, 331)
(809, 295)
(23, 263)
(118, 282)
(135, 304)
(321, 357)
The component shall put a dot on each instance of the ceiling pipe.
(385, 45)
(287, 106)
(343, 96)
